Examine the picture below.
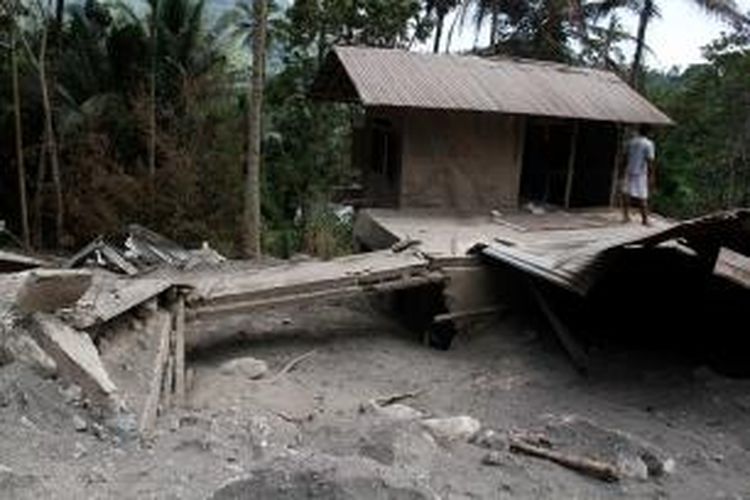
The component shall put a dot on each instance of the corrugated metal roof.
(397, 78)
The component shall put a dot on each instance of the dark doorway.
(545, 160)
(569, 164)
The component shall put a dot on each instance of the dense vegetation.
(139, 111)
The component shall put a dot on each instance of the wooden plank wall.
(461, 160)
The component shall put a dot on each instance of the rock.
(24, 349)
(251, 368)
(398, 411)
(80, 451)
(72, 394)
(657, 466)
(494, 458)
(489, 439)
(80, 424)
(632, 467)
(453, 428)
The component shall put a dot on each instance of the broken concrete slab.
(24, 349)
(48, 290)
(76, 356)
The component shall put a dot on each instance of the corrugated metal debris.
(140, 249)
(396, 78)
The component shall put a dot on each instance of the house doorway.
(569, 164)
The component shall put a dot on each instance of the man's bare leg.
(644, 212)
(625, 207)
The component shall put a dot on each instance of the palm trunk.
(25, 236)
(152, 105)
(252, 223)
(51, 139)
(644, 18)
(438, 33)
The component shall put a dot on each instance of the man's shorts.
(636, 186)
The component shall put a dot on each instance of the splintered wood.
(167, 385)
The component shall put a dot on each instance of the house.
(473, 134)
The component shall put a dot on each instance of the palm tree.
(647, 10)
(252, 222)
(440, 8)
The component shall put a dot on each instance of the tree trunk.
(25, 236)
(438, 32)
(644, 18)
(41, 173)
(494, 25)
(152, 104)
(51, 139)
(252, 222)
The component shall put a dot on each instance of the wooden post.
(179, 349)
(615, 166)
(151, 407)
(571, 164)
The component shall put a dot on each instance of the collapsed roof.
(401, 79)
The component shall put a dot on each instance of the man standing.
(641, 153)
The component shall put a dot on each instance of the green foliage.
(704, 163)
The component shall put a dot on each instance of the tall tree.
(648, 10)
(252, 220)
(440, 8)
(25, 235)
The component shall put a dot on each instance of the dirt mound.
(303, 477)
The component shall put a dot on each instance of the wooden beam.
(179, 349)
(571, 164)
(151, 407)
(246, 306)
(572, 346)
(616, 166)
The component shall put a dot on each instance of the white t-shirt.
(640, 151)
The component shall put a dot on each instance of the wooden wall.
(460, 160)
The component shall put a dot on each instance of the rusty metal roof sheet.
(397, 78)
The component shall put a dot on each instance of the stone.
(398, 411)
(80, 424)
(494, 458)
(632, 467)
(460, 428)
(489, 439)
(248, 367)
(72, 394)
(25, 349)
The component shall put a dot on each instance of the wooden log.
(469, 313)
(179, 350)
(577, 355)
(594, 468)
(150, 408)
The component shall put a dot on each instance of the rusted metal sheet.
(396, 78)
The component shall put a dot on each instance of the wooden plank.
(179, 350)
(246, 306)
(306, 277)
(571, 164)
(110, 296)
(151, 407)
(167, 396)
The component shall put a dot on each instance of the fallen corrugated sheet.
(397, 78)
(577, 267)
